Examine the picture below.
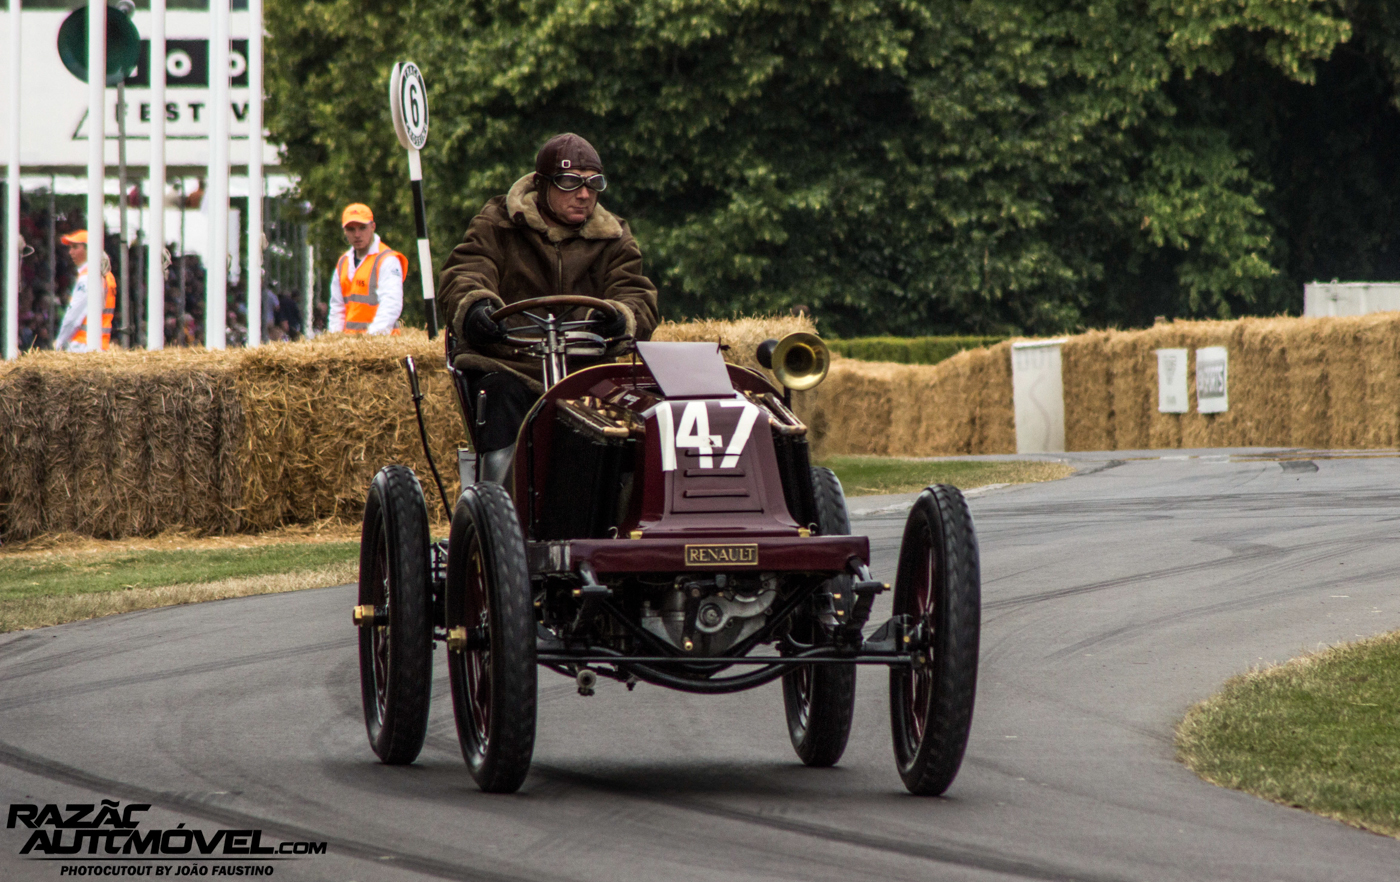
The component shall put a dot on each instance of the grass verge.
(1318, 733)
(869, 475)
(51, 586)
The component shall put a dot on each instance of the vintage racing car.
(660, 523)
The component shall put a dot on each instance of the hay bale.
(996, 407)
(92, 454)
(959, 406)
(839, 413)
(1309, 398)
(1133, 388)
(22, 448)
(1087, 371)
(1379, 413)
(325, 415)
(1259, 378)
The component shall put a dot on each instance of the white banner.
(53, 102)
(1171, 381)
(1212, 380)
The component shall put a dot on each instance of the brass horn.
(799, 361)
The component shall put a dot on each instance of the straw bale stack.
(1380, 356)
(1088, 383)
(325, 415)
(132, 443)
(1125, 368)
(1259, 381)
(1308, 400)
(116, 443)
(959, 406)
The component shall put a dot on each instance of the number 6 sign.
(408, 104)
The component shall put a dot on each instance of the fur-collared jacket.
(511, 254)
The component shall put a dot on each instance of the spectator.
(367, 284)
(188, 336)
(73, 334)
(289, 314)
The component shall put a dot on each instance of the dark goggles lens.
(569, 182)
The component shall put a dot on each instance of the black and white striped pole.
(408, 103)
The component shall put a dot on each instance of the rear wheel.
(820, 699)
(396, 650)
(939, 588)
(491, 661)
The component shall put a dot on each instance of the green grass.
(868, 475)
(908, 350)
(1321, 733)
(26, 575)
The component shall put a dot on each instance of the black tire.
(939, 585)
(820, 700)
(494, 679)
(396, 656)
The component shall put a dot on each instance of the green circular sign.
(123, 45)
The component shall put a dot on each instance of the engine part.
(706, 617)
(586, 681)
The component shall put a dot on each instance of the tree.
(899, 166)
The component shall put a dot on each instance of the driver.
(547, 236)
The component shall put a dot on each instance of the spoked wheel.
(820, 699)
(491, 648)
(939, 586)
(396, 649)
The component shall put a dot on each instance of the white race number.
(693, 433)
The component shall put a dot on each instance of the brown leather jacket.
(510, 254)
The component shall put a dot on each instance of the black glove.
(479, 328)
(609, 325)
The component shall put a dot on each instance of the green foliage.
(985, 166)
(908, 350)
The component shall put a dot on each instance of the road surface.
(1113, 600)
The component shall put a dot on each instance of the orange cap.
(77, 237)
(356, 213)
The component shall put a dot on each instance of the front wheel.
(939, 587)
(491, 639)
(820, 699)
(396, 646)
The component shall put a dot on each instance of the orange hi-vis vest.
(361, 298)
(109, 309)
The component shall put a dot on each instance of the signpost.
(11, 256)
(114, 47)
(408, 105)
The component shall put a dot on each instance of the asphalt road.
(1113, 601)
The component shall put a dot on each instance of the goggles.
(569, 182)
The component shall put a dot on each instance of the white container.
(1350, 298)
(1038, 391)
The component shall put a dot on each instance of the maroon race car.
(661, 523)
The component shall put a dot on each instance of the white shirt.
(75, 317)
(390, 291)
